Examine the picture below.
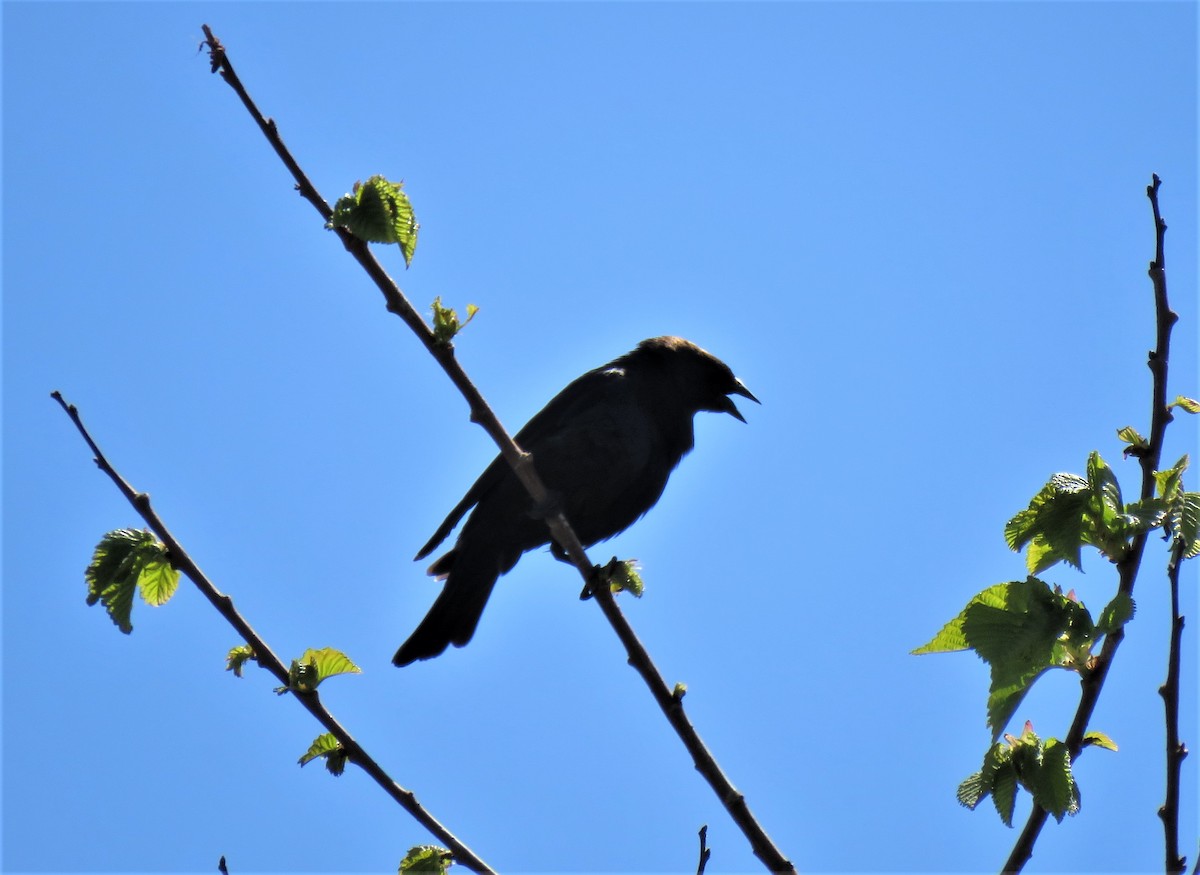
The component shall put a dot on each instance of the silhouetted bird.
(604, 447)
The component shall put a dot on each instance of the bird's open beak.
(731, 408)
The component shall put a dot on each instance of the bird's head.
(697, 378)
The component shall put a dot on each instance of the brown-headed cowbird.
(604, 446)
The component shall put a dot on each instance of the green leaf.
(1169, 481)
(1116, 614)
(1004, 793)
(625, 576)
(426, 859)
(326, 746)
(1043, 768)
(1107, 529)
(1189, 405)
(238, 657)
(1145, 515)
(1186, 522)
(125, 560)
(1130, 435)
(1099, 739)
(378, 211)
(997, 778)
(158, 582)
(1053, 524)
(951, 638)
(314, 666)
(445, 321)
(971, 791)
(1021, 629)
(1052, 780)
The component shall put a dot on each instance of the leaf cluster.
(1071, 512)
(1022, 629)
(446, 323)
(127, 561)
(378, 211)
(1041, 767)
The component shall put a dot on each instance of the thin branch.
(522, 464)
(1176, 751)
(1127, 568)
(705, 851)
(264, 656)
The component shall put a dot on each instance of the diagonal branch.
(1127, 569)
(522, 463)
(266, 657)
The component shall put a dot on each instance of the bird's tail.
(455, 614)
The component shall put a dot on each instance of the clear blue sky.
(918, 232)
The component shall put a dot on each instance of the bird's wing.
(578, 396)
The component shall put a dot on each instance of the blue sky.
(918, 232)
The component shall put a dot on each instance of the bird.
(604, 447)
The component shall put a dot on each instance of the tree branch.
(705, 851)
(1092, 683)
(522, 464)
(1176, 750)
(266, 657)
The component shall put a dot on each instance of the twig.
(705, 851)
(265, 657)
(1176, 750)
(1160, 415)
(522, 464)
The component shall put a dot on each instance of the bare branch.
(705, 851)
(1174, 864)
(267, 658)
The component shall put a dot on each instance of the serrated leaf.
(1187, 523)
(1099, 739)
(971, 791)
(126, 560)
(158, 582)
(1014, 628)
(951, 638)
(326, 746)
(1053, 523)
(1052, 779)
(1004, 794)
(330, 662)
(1190, 405)
(1004, 699)
(1182, 518)
(238, 657)
(1106, 491)
(1106, 525)
(1145, 515)
(425, 859)
(1169, 481)
(1116, 614)
(378, 211)
(321, 745)
(314, 666)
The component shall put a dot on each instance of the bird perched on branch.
(604, 446)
